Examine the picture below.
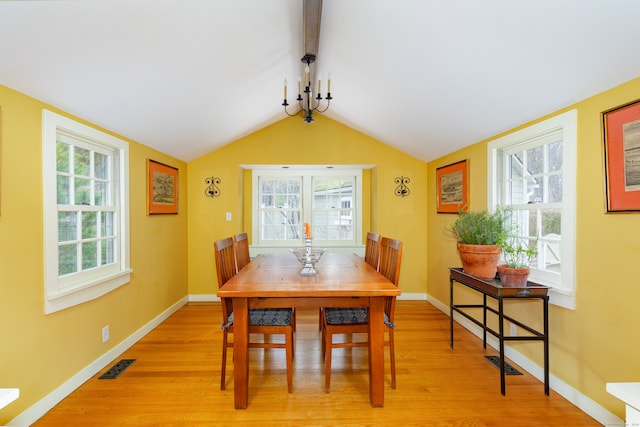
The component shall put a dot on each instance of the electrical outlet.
(228, 216)
(105, 334)
(513, 330)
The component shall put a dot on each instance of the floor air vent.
(508, 369)
(115, 371)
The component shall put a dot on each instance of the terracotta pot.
(513, 277)
(479, 260)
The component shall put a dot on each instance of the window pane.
(67, 259)
(555, 156)
(101, 167)
(534, 191)
(108, 253)
(551, 220)
(106, 225)
(100, 194)
(62, 189)
(89, 255)
(267, 201)
(535, 160)
(533, 223)
(82, 192)
(293, 202)
(267, 186)
(555, 188)
(62, 157)
(81, 163)
(268, 217)
(67, 226)
(89, 229)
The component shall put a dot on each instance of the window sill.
(56, 301)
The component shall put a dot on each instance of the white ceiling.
(425, 76)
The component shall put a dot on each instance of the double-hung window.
(533, 172)
(86, 214)
(329, 200)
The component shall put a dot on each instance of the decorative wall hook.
(212, 189)
(402, 190)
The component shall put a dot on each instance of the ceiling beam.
(312, 16)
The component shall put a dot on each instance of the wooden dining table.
(274, 281)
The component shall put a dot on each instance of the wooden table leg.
(376, 351)
(240, 352)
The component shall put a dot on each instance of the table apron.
(309, 302)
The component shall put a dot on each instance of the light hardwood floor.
(176, 382)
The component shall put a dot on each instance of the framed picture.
(621, 128)
(162, 188)
(452, 187)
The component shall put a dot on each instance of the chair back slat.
(242, 250)
(390, 260)
(225, 268)
(371, 251)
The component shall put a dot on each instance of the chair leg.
(328, 339)
(289, 355)
(320, 318)
(324, 339)
(224, 360)
(392, 357)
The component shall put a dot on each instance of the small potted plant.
(480, 235)
(517, 253)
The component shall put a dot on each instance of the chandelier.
(305, 99)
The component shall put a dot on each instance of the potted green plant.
(480, 235)
(517, 253)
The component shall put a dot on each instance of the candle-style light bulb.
(306, 75)
(299, 81)
(329, 83)
(285, 88)
(319, 83)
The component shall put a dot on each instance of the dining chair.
(352, 320)
(265, 321)
(371, 257)
(241, 243)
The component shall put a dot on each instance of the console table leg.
(451, 313)
(501, 339)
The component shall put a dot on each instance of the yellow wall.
(38, 353)
(291, 141)
(590, 346)
(596, 343)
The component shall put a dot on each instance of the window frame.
(307, 174)
(563, 288)
(61, 292)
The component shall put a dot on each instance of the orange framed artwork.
(452, 187)
(162, 188)
(621, 128)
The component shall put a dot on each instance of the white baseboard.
(203, 297)
(583, 402)
(36, 411)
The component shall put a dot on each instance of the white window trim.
(308, 170)
(56, 297)
(563, 293)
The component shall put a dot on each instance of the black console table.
(494, 289)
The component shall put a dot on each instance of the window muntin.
(85, 187)
(328, 200)
(533, 172)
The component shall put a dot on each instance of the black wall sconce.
(402, 190)
(212, 189)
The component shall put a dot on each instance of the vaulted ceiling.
(424, 76)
